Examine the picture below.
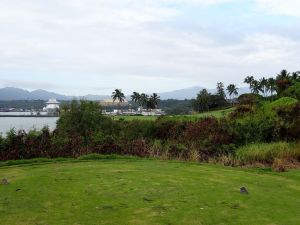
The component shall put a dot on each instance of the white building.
(52, 107)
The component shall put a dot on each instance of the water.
(22, 113)
(26, 123)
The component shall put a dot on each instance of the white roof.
(52, 101)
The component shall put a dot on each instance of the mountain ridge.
(12, 93)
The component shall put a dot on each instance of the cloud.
(136, 44)
(280, 7)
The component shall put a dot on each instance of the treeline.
(82, 129)
(23, 104)
(267, 87)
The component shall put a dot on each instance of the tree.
(232, 90)
(255, 87)
(135, 97)
(296, 76)
(249, 80)
(118, 95)
(271, 86)
(153, 101)
(283, 81)
(220, 90)
(284, 74)
(201, 104)
(143, 100)
(82, 118)
(263, 82)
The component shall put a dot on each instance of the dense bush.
(293, 91)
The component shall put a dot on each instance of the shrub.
(249, 99)
(267, 153)
(293, 91)
(283, 102)
(178, 151)
(83, 118)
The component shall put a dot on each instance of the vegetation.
(232, 90)
(214, 136)
(269, 153)
(135, 191)
(144, 101)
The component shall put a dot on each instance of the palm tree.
(249, 80)
(283, 81)
(135, 97)
(295, 76)
(143, 100)
(154, 98)
(271, 86)
(284, 74)
(263, 82)
(255, 87)
(232, 90)
(118, 95)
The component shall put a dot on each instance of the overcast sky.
(78, 47)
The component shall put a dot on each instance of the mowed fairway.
(146, 192)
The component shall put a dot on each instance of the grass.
(268, 152)
(191, 117)
(138, 191)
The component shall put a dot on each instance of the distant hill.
(11, 93)
(181, 94)
(189, 93)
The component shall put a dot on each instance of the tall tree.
(220, 90)
(271, 86)
(232, 90)
(154, 100)
(201, 104)
(249, 80)
(283, 81)
(263, 82)
(135, 97)
(296, 76)
(118, 95)
(255, 87)
(143, 100)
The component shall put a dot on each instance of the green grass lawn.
(191, 117)
(140, 191)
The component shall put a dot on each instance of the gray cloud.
(136, 44)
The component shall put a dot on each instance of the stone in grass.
(4, 182)
(244, 190)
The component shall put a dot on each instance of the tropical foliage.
(82, 129)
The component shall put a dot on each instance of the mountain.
(181, 94)
(189, 93)
(11, 93)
